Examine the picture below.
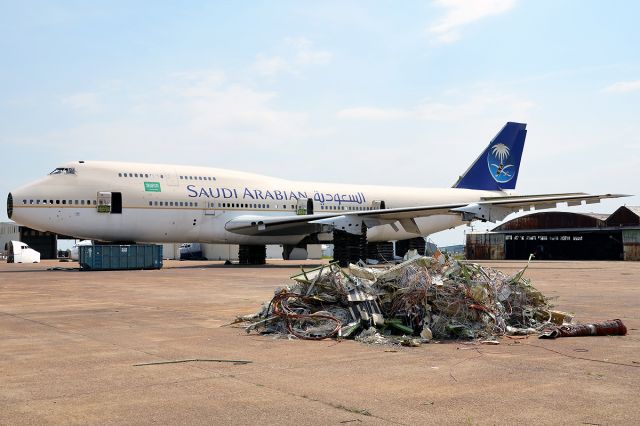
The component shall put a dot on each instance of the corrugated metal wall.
(485, 247)
(8, 232)
(631, 241)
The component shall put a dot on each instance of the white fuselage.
(165, 203)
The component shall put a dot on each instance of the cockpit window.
(64, 171)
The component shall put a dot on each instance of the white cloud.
(460, 13)
(623, 87)
(190, 112)
(270, 65)
(305, 54)
(87, 101)
(476, 105)
(296, 54)
(373, 113)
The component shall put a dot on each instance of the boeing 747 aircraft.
(134, 202)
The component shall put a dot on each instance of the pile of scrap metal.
(411, 303)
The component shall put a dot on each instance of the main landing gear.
(348, 247)
(418, 243)
(252, 255)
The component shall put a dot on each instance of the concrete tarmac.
(69, 342)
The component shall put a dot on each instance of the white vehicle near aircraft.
(191, 251)
(19, 252)
(135, 202)
(74, 253)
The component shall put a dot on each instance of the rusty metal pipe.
(606, 328)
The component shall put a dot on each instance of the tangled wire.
(426, 297)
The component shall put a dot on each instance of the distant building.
(9, 231)
(43, 242)
(561, 236)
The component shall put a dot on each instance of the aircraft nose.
(9, 205)
(15, 200)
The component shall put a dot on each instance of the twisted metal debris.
(411, 303)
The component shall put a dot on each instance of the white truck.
(19, 252)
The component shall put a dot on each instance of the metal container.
(118, 257)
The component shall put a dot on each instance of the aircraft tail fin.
(497, 166)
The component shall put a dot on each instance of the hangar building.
(43, 242)
(561, 236)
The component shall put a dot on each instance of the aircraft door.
(304, 206)
(172, 178)
(378, 205)
(116, 203)
(210, 209)
(109, 202)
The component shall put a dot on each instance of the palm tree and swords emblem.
(497, 159)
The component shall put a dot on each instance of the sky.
(372, 92)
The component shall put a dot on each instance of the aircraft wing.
(497, 208)
(486, 209)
